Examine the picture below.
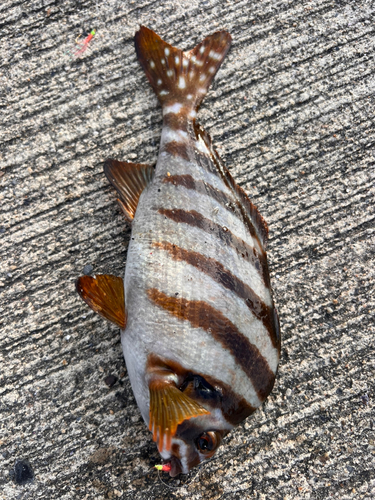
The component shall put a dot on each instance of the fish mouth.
(176, 467)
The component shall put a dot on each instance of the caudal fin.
(177, 77)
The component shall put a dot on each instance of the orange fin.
(252, 211)
(104, 293)
(169, 407)
(129, 179)
(176, 76)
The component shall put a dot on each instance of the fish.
(199, 329)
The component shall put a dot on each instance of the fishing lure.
(199, 329)
(83, 46)
(164, 468)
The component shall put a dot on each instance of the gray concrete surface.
(292, 115)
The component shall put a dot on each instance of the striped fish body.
(201, 341)
(196, 286)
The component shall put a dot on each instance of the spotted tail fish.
(199, 329)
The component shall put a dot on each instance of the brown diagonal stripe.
(227, 201)
(188, 152)
(178, 121)
(248, 253)
(228, 280)
(202, 315)
(179, 149)
(202, 187)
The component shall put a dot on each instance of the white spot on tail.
(152, 64)
(159, 82)
(181, 82)
(215, 55)
(192, 114)
(189, 96)
(174, 108)
(185, 63)
(170, 73)
(191, 74)
(193, 58)
(202, 91)
(202, 77)
(166, 51)
(177, 60)
(162, 61)
(212, 69)
(199, 63)
(163, 92)
(201, 50)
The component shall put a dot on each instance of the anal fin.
(169, 407)
(104, 293)
(129, 180)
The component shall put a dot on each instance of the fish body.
(200, 333)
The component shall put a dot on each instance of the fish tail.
(180, 78)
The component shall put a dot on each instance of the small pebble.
(87, 269)
(365, 399)
(110, 380)
(23, 473)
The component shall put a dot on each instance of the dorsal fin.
(169, 407)
(177, 76)
(104, 293)
(251, 210)
(129, 180)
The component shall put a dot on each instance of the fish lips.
(176, 467)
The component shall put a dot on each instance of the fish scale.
(199, 330)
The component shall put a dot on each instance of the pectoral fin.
(169, 407)
(104, 293)
(129, 180)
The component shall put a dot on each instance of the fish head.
(195, 441)
(207, 411)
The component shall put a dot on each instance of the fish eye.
(207, 442)
(198, 388)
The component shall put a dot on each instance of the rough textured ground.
(292, 115)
